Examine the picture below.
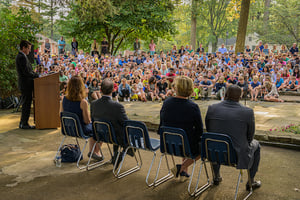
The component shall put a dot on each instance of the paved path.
(28, 173)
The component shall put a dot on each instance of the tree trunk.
(215, 44)
(194, 23)
(51, 17)
(242, 29)
(266, 14)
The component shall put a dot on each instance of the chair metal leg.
(151, 184)
(250, 184)
(130, 171)
(166, 177)
(237, 186)
(59, 148)
(81, 153)
(116, 161)
(99, 163)
(197, 190)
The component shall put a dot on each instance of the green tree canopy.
(283, 25)
(148, 19)
(13, 29)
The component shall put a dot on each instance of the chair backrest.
(218, 148)
(136, 135)
(71, 125)
(104, 131)
(174, 141)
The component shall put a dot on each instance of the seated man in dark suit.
(107, 109)
(231, 118)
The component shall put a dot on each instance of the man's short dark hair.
(233, 93)
(25, 44)
(107, 86)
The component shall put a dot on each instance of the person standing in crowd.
(200, 49)
(74, 45)
(104, 46)
(152, 47)
(25, 82)
(222, 49)
(61, 45)
(47, 46)
(136, 46)
(261, 47)
(294, 49)
(95, 48)
(180, 112)
(231, 118)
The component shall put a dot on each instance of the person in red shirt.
(170, 76)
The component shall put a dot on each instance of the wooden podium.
(46, 101)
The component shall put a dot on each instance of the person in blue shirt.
(254, 87)
(293, 84)
(279, 82)
(155, 74)
(222, 49)
(61, 45)
(122, 61)
(205, 88)
(227, 59)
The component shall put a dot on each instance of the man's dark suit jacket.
(25, 73)
(107, 109)
(237, 121)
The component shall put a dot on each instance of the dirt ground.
(27, 171)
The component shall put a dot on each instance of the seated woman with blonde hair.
(272, 93)
(180, 112)
(75, 102)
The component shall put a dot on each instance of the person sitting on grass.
(141, 93)
(271, 92)
(152, 88)
(279, 82)
(94, 90)
(220, 88)
(124, 90)
(205, 88)
(162, 86)
(134, 92)
(292, 85)
(243, 85)
(254, 87)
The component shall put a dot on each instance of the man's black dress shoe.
(217, 180)
(26, 126)
(255, 185)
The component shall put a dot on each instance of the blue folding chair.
(137, 137)
(71, 127)
(218, 148)
(103, 133)
(174, 142)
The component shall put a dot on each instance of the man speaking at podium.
(25, 82)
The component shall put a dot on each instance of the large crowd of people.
(148, 75)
